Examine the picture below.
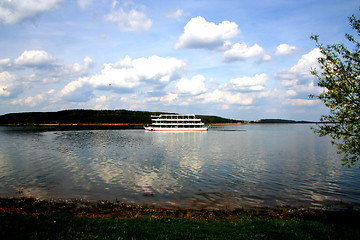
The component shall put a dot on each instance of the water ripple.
(226, 167)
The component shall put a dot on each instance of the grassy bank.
(28, 218)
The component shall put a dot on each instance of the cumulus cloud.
(285, 49)
(39, 99)
(177, 14)
(34, 58)
(298, 82)
(5, 62)
(77, 69)
(84, 4)
(300, 72)
(29, 101)
(255, 83)
(193, 86)
(102, 103)
(307, 62)
(199, 33)
(46, 68)
(78, 91)
(302, 102)
(125, 75)
(265, 58)
(241, 51)
(15, 11)
(8, 85)
(168, 99)
(225, 97)
(129, 20)
(238, 92)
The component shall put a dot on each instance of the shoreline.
(130, 125)
(72, 124)
(108, 209)
(30, 218)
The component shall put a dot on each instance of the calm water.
(226, 167)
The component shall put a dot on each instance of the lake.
(228, 167)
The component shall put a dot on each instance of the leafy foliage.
(340, 78)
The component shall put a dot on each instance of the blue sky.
(238, 59)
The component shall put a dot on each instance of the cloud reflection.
(151, 164)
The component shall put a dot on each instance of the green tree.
(339, 76)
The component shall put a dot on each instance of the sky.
(244, 60)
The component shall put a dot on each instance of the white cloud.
(244, 91)
(255, 83)
(164, 100)
(36, 100)
(307, 62)
(300, 72)
(285, 49)
(301, 102)
(47, 69)
(199, 33)
(15, 11)
(158, 69)
(129, 20)
(29, 101)
(84, 4)
(169, 98)
(125, 75)
(265, 58)
(212, 97)
(77, 91)
(224, 97)
(102, 103)
(35, 58)
(241, 51)
(5, 62)
(89, 63)
(8, 85)
(238, 99)
(177, 14)
(298, 83)
(289, 83)
(77, 69)
(291, 93)
(193, 86)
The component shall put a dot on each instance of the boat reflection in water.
(226, 167)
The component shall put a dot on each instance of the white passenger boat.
(176, 123)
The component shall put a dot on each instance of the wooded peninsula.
(93, 117)
(108, 117)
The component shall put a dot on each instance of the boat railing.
(172, 124)
(177, 120)
(174, 116)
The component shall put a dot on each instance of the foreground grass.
(32, 219)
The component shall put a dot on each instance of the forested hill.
(279, 121)
(93, 117)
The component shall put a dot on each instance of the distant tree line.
(93, 117)
(279, 121)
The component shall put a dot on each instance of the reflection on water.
(226, 167)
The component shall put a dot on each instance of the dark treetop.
(93, 117)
